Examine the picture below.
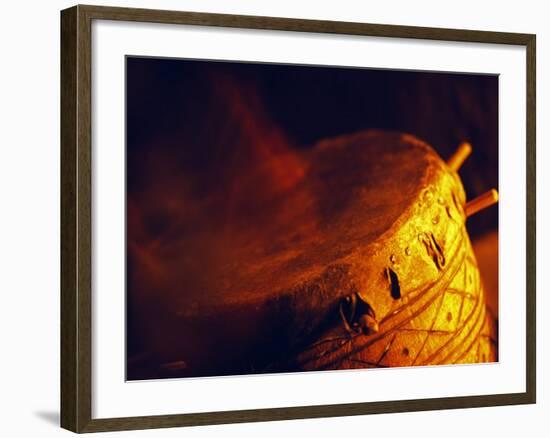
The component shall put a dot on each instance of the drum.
(357, 257)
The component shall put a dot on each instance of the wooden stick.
(481, 202)
(460, 155)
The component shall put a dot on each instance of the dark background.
(187, 117)
(181, 106)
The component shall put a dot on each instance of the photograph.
(285, 218)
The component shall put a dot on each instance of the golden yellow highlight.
(419, 299)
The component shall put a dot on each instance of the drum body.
(360, 259)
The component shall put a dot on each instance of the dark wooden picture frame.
(76, 218)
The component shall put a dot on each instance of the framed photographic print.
(268, 218)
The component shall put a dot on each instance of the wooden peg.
(481, 202)
(460, 155)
